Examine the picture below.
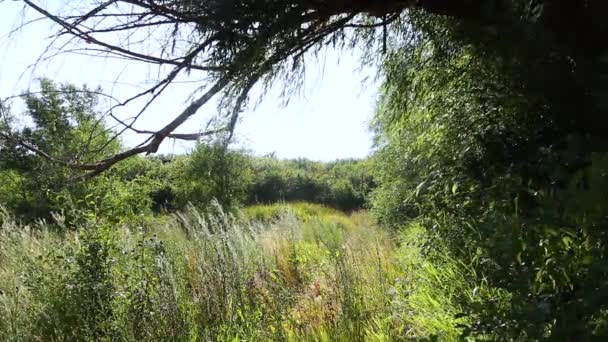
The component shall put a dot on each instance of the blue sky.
(328, 120)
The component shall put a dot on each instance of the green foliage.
(490, 159)
(343, 184)
(66, 126)
(203, 275)
(303, 211)
(212, 171)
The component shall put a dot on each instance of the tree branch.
(237, 42)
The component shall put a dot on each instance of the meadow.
(298, 272)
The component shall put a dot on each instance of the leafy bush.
(491, 161)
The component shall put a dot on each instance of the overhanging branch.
(236, 43)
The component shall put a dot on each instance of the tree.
(496, 150)
(237, 44)
(64, 123)
(212, 172)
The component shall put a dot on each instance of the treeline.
(66, 125)
(236, 178)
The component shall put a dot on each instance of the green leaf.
(587, 260)
(419, 188)
(454, 188)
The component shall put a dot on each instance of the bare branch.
(235, 43)
(90, 39)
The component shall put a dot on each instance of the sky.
(327, 120)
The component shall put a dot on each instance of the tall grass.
(298, 273)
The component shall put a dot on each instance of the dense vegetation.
(494, 148)
(195, 277)
(487, 191)
(65, 123)
(313, 274)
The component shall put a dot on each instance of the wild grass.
(287, 272)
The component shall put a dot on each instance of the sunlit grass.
(277, 272)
